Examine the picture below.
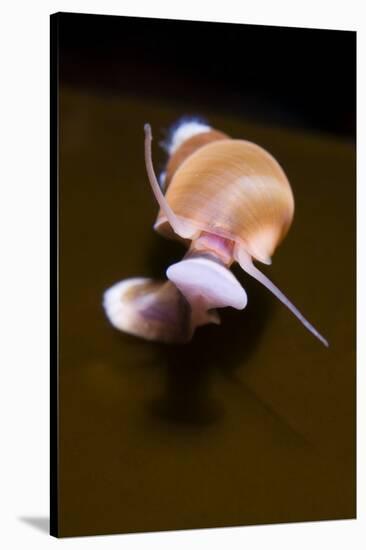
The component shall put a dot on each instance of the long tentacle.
(182, 228)
(246, 263)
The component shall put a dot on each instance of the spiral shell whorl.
(232, 188)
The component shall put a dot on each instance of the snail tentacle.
(246, 263)
(180, 227)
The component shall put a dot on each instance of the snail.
(227, 200)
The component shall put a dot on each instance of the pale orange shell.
(235, 189)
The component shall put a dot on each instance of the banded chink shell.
(227, 200)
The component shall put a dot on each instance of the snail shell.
(233, 189)
(227, 200)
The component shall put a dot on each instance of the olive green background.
(254, 421)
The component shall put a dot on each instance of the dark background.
(254, 420)
(302, 78)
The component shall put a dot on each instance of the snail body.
(228, 200)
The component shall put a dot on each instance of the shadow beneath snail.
(185, 397)
(189, 369)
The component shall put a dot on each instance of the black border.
(54, 326)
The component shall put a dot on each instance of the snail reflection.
(227, 200)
